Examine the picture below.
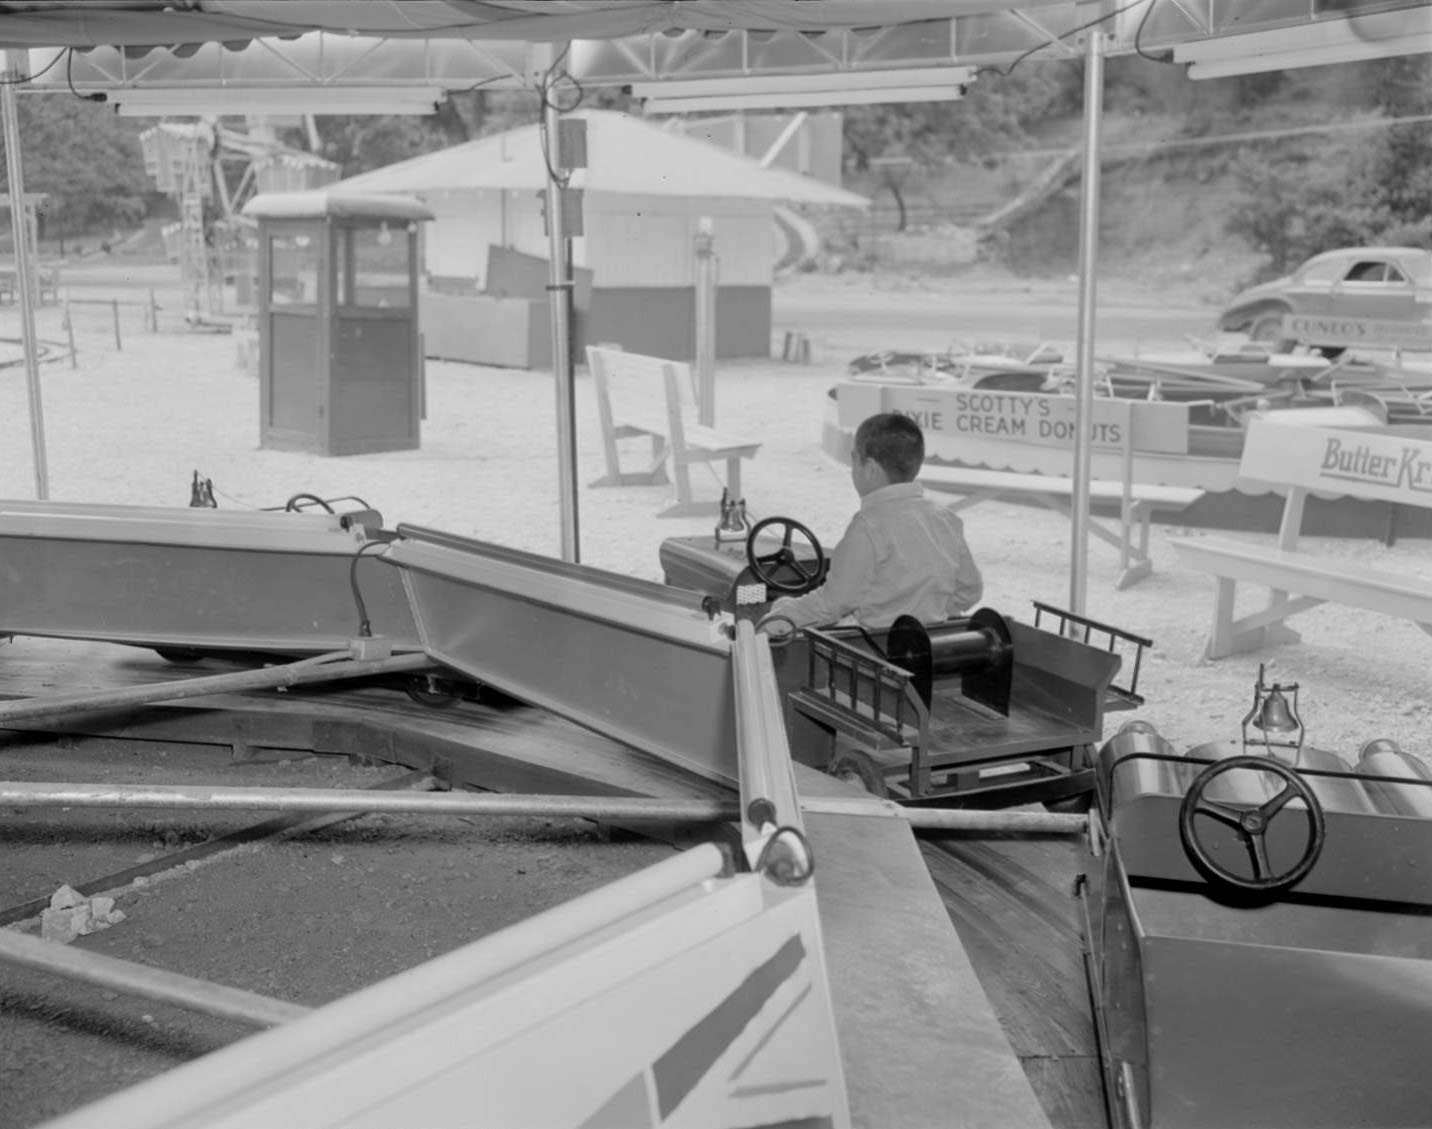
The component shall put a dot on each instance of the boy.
(902, 554)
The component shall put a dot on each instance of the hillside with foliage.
(1251, 174)
(1255, 173)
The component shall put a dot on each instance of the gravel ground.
(132, 426)
(376, 894)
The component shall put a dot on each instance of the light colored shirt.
(902, 554)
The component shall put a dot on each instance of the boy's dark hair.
(895, 442)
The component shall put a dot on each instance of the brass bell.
(733, 524)
(1276, 716)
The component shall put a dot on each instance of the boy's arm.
(852, 567)
(969, 584)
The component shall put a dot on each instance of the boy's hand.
(779, 627)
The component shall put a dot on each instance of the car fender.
(1240, 317)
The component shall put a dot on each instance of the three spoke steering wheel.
(1251, 824)
(766, 567)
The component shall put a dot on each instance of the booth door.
(374, 401)
(296, 386)
(375, 373)
(296, 365)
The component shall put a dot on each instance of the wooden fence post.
(118, 344)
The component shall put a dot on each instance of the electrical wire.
(1005, 73)
(1167, 56)
(98, 96)
(47, 68)
(545, 88)
(365, 627)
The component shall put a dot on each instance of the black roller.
(978, 648)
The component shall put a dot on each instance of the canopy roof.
(661, 38)
(625, 154)
(57, 23)
(337, 203)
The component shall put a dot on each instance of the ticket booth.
(340, 356)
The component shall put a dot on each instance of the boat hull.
(193, 580)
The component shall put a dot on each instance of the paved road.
(856, 320)
(843, 316)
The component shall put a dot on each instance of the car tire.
(1267, 329)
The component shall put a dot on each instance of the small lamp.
(1276, 716)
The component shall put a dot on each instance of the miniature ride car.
(981, 711)
(1376, 297)
(1255, 913)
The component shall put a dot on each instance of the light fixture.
(1380, 35)
(219, 101)
(837, 88)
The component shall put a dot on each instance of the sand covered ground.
(132, 425)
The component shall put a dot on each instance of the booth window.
(380, 270)
(293, 269)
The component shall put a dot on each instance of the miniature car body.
(1256, 917)
(982, 711)
(1378, 297)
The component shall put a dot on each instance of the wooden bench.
(1030, 436)
(640, 397)
(1138, 502)
(1372, 465)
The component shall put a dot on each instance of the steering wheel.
(293, 503)
(764, 566)
(1251, 825)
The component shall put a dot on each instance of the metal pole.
(197, 797)
(706, 284)
(951, 819)
(1088, 253)
(16, 68)
(997, 822)
(69, 324)
(558, 287)
(149, 983)
(323, 668)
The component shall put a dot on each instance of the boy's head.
(888, 448)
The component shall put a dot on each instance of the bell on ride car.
(1276, 716)
(733, 525)
(1273, 713)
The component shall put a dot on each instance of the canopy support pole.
(16, 69)
(1088, 254)
(559, 289)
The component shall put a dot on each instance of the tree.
(86, 160)
(361, 143)
(897, 141)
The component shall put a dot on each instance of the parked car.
(1380, 297)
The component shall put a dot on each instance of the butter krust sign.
(1369, 464)
(1019, 417)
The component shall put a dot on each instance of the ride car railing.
(870, 693)
(877, 691)
(1115, 640)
